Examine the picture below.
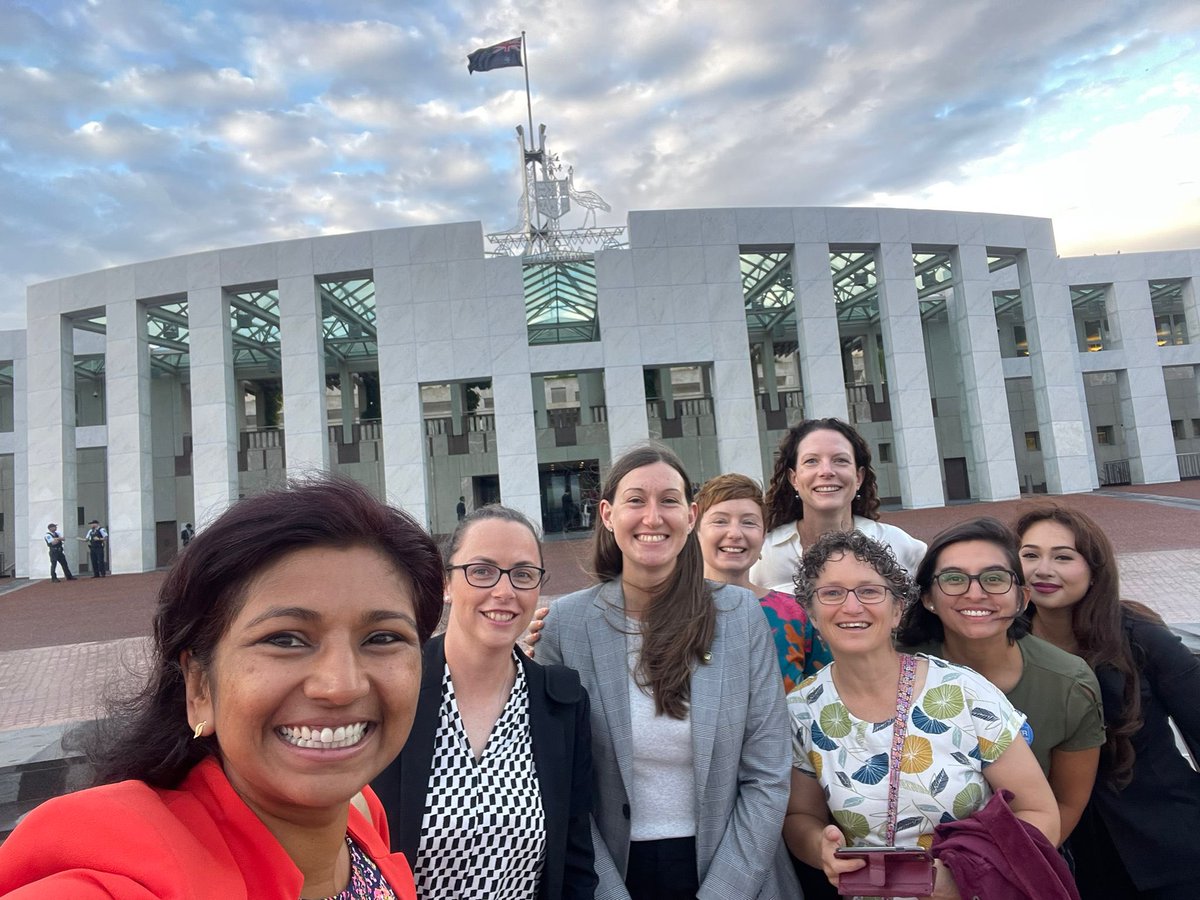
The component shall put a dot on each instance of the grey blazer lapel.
(705, 708)
(605, 630)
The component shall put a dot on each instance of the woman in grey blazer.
(690, 737)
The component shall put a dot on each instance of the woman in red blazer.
(286, 667)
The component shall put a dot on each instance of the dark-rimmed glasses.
(993, 581)
(867, 594)
(485, 575)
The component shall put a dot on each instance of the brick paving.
(62, 645)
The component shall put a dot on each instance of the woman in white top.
(689, 727)
(823, 482)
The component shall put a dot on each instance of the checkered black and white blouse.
(483, 834)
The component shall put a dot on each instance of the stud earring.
(199, 732)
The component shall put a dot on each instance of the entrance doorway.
(570, 491)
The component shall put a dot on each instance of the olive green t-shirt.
(1059, 695)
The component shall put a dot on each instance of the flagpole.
(528, 101)
(537, 213)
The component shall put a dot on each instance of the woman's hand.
(833, 865)
(944, 887)
(533, 632)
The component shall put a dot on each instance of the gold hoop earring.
(199, 732)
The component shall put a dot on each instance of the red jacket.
(993, 855)
(133, 842)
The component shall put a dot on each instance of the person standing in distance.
(186, 535)
(97, 542)
(58, 557)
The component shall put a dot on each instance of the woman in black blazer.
(492, 795)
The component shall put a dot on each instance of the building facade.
(977, 363)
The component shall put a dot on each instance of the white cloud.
(133, 131)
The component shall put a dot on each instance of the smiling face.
(650, 518)
(976, 614)
(731, 538)
(1057, 574)
(492, 617)
(824, 473)
(854, 626)
(311, 692)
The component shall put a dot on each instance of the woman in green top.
(971, 611)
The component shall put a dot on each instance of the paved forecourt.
(64, 646)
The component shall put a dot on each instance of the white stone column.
(817, 332)
(516, 443)
(404, 443)
(918, 460)
(1141, 387)
(1057, 380)
(738, 447)
(625, 393)
(302, 348)
(50, 344)
(972, 314)
(21, 457)
(216, 404)
(130, 453)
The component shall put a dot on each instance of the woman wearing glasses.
(959, 739)
(492, 794)
(973, 597)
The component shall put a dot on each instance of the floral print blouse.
(958, 724)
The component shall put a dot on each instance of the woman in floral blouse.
(961, 738)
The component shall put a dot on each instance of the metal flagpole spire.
(531, 155)
(528, 100)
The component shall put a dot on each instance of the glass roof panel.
(254, 322)
(348, 320)
(855, 286)
(560, 302)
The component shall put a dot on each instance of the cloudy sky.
(132, 129)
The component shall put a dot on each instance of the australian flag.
(497, 56)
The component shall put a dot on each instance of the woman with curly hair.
(1137, 837)
(823, 482)
(889, 746)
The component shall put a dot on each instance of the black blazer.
(562, 751)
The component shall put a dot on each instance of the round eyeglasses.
(835, 595)
(485, 575)
(993, 581)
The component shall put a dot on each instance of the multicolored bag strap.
(904, 689)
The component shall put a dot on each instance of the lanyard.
(904, 689)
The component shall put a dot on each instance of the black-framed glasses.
(867, 594)
(993, 581)
(485, 575)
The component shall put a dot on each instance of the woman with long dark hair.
(971, 612)
(823, 482)
(284, 674)
(492, 795)
(689, 729)
(1137, 838)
